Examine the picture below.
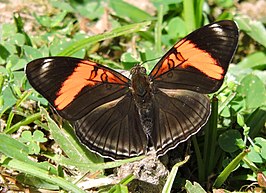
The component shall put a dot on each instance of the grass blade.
(198, 13)
(212, 137)
(200, 163)
(169, 183)
(70, 144)
(158, 30)
(189, 15)
(29, 119)
(92, 166)
(114, 33)
(40, 173)
(229, 169)
(126, 10)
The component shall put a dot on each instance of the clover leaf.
(33, 140)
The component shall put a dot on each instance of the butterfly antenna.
(149, 60)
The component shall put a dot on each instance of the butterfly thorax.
(140, 85)
(143, 97)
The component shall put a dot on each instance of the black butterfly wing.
(73, 86)
(195, 66)
(113, 129)
(178, 115)
(200, 60)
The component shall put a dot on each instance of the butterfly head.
(139, 81)
(138, 70)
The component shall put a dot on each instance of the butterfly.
(118, 117)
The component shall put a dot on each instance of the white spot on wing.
(46, 63)
(215, 25)
(217, 28)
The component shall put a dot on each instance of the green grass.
(229, 154)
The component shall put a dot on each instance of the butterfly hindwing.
(178, 115)
(200, 60)
(74, 86)
(113, 129)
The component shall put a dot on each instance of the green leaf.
(193, 188)
(258, 150)
(253, 91)
(89, 9)
(170, 179)
(228, 140)
(18, 21)
(224, 108)
(51, 22)
(4, 53)
(121, 186)
(34, 148)
(256, 60)
(175, 5)
(43, 20)
(262, 143)
(19, 77)
(40, 173)
(19, 65)
(121, 189)
(36, 182)
(229, 169)
(9, 99)
(254, 156)
(26, 136)
(32, 53)
(18, 160)
(128, 60)
(192, 14)
(126, 10)
(38, 136)
(59, 45)
(189, 15)
(29, 119)
(255, 29)
(158, 31)
(176, 28)
(20, 28)
(92, 166)
(256, 121)
(16, 62)
(18, 39)
(225, 3)
(11, 48)
(70, 144)
(2, 80)
(13, 148)
(33, 140)
(240, 120)
(62, 5)
(8, 30)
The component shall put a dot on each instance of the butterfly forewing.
(199, 61)
(75, 86)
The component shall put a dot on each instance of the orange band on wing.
(199, 59)
(85, 74)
